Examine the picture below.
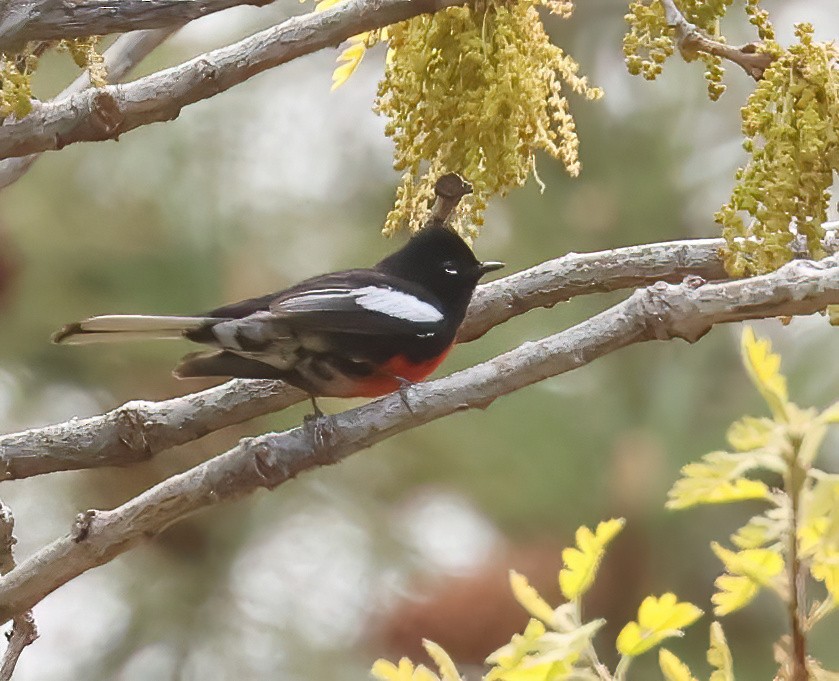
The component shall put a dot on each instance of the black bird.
(356, 333)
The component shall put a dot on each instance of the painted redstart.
(356, 333)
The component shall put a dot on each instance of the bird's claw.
(321, 426)
(405, 386)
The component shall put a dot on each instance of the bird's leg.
(404, 386)
(321, 425)
(316, 410)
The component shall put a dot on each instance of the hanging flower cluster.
(791, 125)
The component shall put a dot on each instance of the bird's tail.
(121, 327)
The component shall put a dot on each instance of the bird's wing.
(243, 308)
(361, 302)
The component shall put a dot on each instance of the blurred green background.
(279, 179)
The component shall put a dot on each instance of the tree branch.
(690, 40)
(138, 430)
(24, 630)
(24, 20)
(120, 58)
(106, 113)
(659, 312)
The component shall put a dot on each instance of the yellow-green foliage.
(797, 535)
(791, 124)
(650, 41)
(16, 91)
(16, 71)
(557, 644)
(83, 51)
(476, 90)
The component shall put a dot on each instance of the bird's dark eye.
(450, 267)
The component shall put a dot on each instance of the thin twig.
(23, 630)
(691, 40)
(108, 112)
(120, 58)
(659, 312)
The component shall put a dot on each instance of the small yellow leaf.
(351, 57)
(581, 563)
(764, 367)
(750, 433)
(719, 655)
(827, 570)
(761, 566)
(831, 414)
(717, 479)
(658, 618)
(385, 670)
(423, 673)
(761, 529)
(448, 671)
(672, 667)
(733, 592)
(529, 598)
(511, 654)
(747, 572)
(550, 671)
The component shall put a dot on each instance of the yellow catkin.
(791, 125)
(476, 90)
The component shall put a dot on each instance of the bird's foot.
(320, 425)
(405, 386)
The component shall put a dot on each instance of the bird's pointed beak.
(490, 266)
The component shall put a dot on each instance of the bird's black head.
(440, 261)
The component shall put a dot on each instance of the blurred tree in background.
(281, 178)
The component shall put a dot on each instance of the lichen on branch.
(477, 90)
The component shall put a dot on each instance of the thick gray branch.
(106, 113)
(138, 430)
(23, 631)
(662, 311)
(120, 58)
(25, 20)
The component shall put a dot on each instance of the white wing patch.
(396, 304)
(382, 299)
